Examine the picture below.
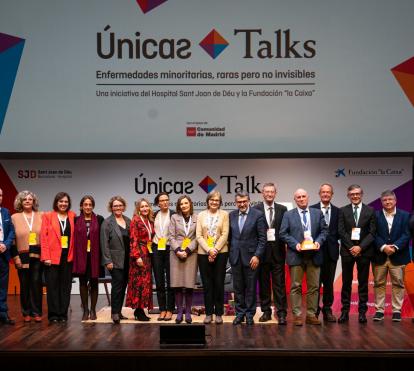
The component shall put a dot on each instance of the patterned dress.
(139, 292)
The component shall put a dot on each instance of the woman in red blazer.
(57, 244)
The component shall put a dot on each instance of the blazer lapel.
(56, 225)
(115, 227)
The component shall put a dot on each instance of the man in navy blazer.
(330, 251)
(247, 239)
(300, 225)
(6, 240)
(391, 255)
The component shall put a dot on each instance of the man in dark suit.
(357, 227)
(6, 240)
(247, 238)
(304, 230)
(272, 269)
(330, 251)
(391, 255)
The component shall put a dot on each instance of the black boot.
(140, 315)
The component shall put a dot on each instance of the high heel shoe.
(92, 315)
(85, 316)
(140, 315)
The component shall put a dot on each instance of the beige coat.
(182, 272)
(222, 232)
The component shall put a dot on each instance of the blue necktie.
(305, 220)
(242, 218)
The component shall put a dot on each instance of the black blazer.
(331, 244)
(275, 250)
(368, 224)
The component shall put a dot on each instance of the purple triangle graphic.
(7, 41)
(404, 195)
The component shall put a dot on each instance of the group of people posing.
(172, 245)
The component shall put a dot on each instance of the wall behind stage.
(206, 76)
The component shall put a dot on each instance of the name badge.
(308, 236)
(271, 234)
(186, 243)
(356, 234)
(32, 239)
(64, 242)
(149, 246)
(88, 246)
(162, 243)
(210, 242)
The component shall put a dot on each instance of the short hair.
(178, 208)
(116, 198)
(18, 201)
(211, 195)
(388, 192)
(84, 198)
(242, 194)
(326, 184)
(269, 184)
(58, 197)
(354, 186)
(157, 197)
(138, 205)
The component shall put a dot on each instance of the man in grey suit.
(247, 239)
(304, 230)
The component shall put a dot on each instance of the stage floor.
(386, 341)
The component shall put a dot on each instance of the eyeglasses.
(214, 200)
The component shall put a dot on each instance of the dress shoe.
(250, 321)
(281, 320)
(168, 316)
(238, 320)
(362, 318)
(312, 320)
(219, 320)
(53, 320)
(188, 318)
(329, 317)
(266, 316)
(38, 319)
(207, 320)
(179, 318)
(92, 315)
(115, 318)
(162, 315)
(7, 320)
(27, 319)
(63, 319)
(344, 317)
(140, 315)
(297, 320)
(378, 316)
(85, 316)
(121, 316)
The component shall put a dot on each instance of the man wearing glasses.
(357, 227)
(247, 239)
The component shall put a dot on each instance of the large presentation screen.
(197, 76)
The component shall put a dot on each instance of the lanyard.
(149, 229)
(163, 224)
(63, 224)
(30, 225)
(187, 227)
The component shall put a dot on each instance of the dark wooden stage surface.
(73, 344)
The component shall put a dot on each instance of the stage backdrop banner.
(211, 76)
(134, 179)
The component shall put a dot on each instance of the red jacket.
(50, 234)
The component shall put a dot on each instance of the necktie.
(242, 218)
(356, 214)
(270, 216)
(327, 215)
(305, 220)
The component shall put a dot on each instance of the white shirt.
(390, 219)
(308, 218)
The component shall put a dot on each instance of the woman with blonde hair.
(139, 292)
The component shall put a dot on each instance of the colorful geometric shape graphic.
(207, 184)
(404, 73)
(11, 49)
(214, 44)
(147, 5)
